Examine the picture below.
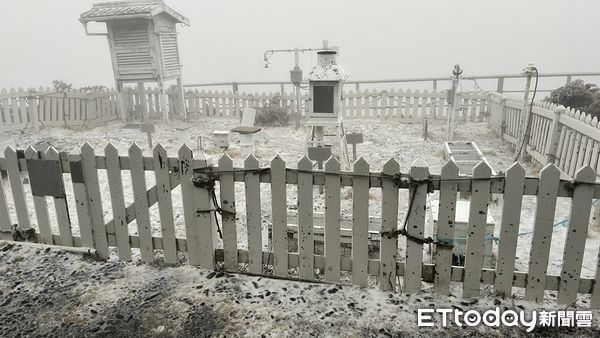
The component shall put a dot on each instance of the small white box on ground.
(222, 138)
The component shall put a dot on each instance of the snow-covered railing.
(89, 193)
(55, 108)
(563, 136)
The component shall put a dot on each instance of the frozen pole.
(297, 82)
(452, 100)
(522, 144)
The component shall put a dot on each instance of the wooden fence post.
(206, 219)
(33, 112)
(554, 135)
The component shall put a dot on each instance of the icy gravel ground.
(50, 293)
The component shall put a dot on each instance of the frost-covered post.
(453, 101)
(523, 137)
(554, 135)
(32, 111)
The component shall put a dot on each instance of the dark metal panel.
(76, 172)
(45, 178)
(354, 138)
(319, 153)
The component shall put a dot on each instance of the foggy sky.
(43, 40)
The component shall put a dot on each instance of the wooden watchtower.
(142, 37)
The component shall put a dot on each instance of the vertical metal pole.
(500, 87)
(236, 103)
(524, 118)
(182, 98)
(163, 100)
(32, 111)
(298, 93)
(143, 101)
(122, 103)
(452, 109)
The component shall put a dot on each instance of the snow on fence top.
(210, 204)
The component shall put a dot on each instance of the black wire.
(528, 123)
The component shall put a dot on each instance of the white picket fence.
(376, 104)
(52, 108)
(207, 196)
(570, 138)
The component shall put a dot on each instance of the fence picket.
(206, 218)
(115, 179)
(186, 172)
(306, 242)
(595, 300)
(509, 229)
(94, 200)
(579, 215)
(332, 220)
(389, 226)
(253, 215)
(542, 233)
(165, 203)
(360, 223)
(5, 221)
(279, 217)
(14, 176)
(227, 192)
(140, 198)
(415, 226)
(445, 228)
(60, 203)
(81, 203)
(478, 210)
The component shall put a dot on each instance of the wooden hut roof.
(106, 11)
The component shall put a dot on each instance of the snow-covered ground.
(50, 293)
(383, 140)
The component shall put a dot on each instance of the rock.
(220, 274)
(211, 275)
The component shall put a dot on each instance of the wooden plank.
(227, 192)
(332, 220)
(14, 176)
(41, 208)
(445, 228)
(581, 206)
(415, 226)
(5, 221)
(60, 205)
(81, 203)
(595, 299)
(542, 232)
(478, 210)
(253, 215)
(186, 164)
(389, 227)
(306, 248)
(206, 220)
(360, 223)
(140, 197)
(279, 217)
(165, 203)
(115, 184)
(94, 200)
(509, 229)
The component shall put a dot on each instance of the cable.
(527, 124)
